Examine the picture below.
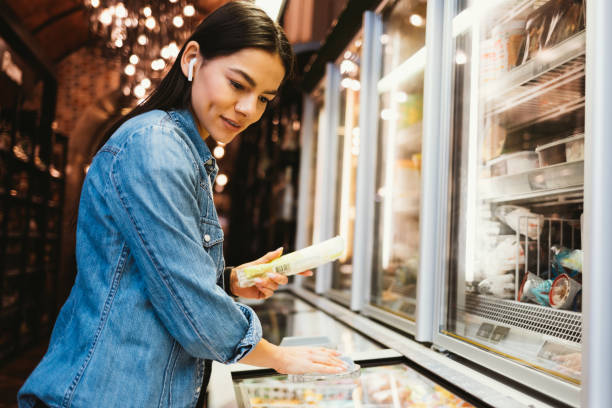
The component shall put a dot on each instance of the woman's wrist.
(265, 354)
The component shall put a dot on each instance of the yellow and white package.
(295, 262)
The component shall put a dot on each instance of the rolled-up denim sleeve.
(153, 182)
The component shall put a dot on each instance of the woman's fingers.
(278, 278)
(306, 273)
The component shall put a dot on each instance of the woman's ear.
(191, 53)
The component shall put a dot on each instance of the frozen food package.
(500, 286)
(520, 219)
(507, 39)
(504, 256)
(295, 262)
(567, 21)
(574, 150)
(536, 31)
(567, 258)
(493, 140)
(540, 292)
(513, 163)
(530, 281)
(563, 292)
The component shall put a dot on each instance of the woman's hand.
(301, 360)
(295, 360)
(264, 287)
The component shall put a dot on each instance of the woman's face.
(230, 93)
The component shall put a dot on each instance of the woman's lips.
(230, 123)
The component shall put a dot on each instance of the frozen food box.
(564, 150)
(513, 163)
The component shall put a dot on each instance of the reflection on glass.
(309, 281)
(517, 169)
(396, 240)
(385, 386)
(284, 315)
(348, 153)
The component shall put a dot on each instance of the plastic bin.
(513, 163)
(564, 150)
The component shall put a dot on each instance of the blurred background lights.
(221, 179)
(219, 152)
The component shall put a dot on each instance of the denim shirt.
(146, 309)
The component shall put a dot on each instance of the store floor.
(14, 373)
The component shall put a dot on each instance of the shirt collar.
(184, 119)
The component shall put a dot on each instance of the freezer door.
(514, 244)
(398, 180)
(347, 136)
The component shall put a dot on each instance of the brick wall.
(83, 77)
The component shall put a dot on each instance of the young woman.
(150, 307)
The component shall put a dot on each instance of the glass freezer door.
(348, 151)
(398, 180)
(514, 278)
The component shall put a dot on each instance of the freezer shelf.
(394, 385)
(534, 184)
(545, 62)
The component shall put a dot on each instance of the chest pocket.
(212, 240)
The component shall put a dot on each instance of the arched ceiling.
(62, 26)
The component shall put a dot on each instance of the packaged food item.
(536, 30)
(567, 21)
(295, 262)
(574, 149)
(500, 286)
(563, 292)
(567, 258)
(493, 140)
(503, 257)
(521, 219)
(541, 291)
(557, 152)
(507, 39)
(513, 163)
(530, 281)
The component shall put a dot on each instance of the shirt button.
(207, 238)
(208, 162)
(198, 389)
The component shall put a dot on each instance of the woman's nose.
(247, 106)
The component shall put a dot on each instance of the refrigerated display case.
(379, 385)
(347, 133)
(512, 284)
(398, 175)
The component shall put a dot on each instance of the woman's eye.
(237, 85)
(263, 99)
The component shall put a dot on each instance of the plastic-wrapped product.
(500, 286)
(541, 291)
(530, 281)
(295, 262)
(567, 258)
(563, 292)
(521, 219)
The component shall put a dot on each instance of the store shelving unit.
(31, 200)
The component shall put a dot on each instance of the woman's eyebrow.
(250, 80)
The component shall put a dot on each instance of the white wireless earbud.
(190, 74)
